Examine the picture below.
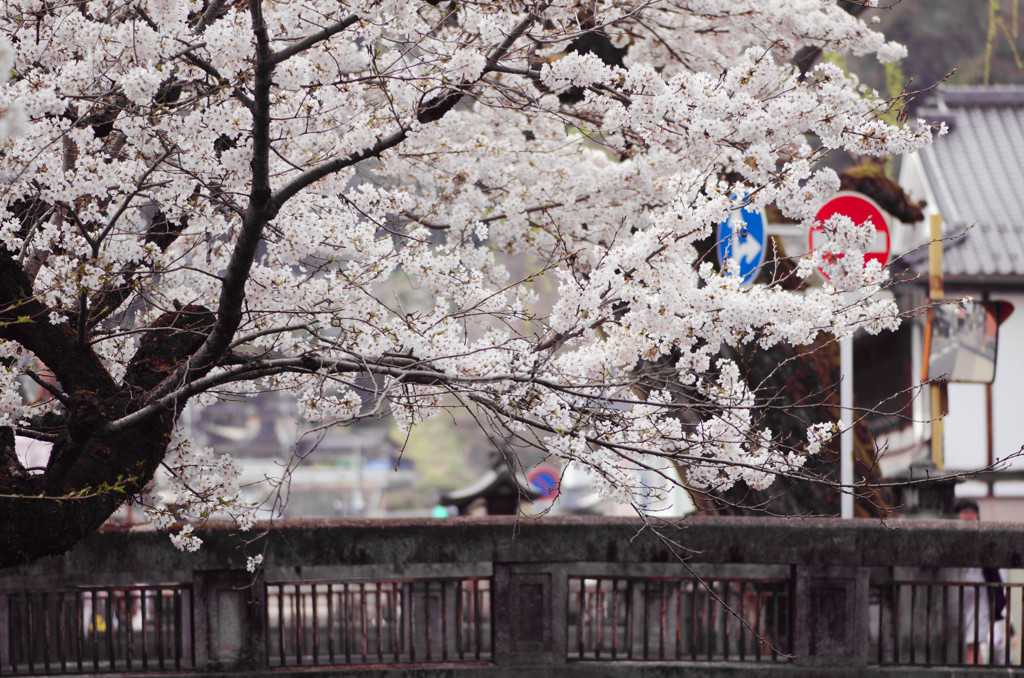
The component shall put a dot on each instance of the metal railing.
(946, 623)
(97, 629)
(318, 623)
(798, 598)
(662, 618)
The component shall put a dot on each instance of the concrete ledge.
(714, 539)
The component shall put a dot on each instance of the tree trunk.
(91, 474)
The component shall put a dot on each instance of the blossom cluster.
(468, 208)
(202, 486)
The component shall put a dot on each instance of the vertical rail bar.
(580, 618)
(679, 617)
(647, 620)
(726, 618)
(1008, 628)
(426, 605)
(192, 625)
(13, 639)
(694, 638)
(960, 627)
(362, 620)
(346, 619)
(316, 624)
(945, 624)
(977, 597)
(661, 637)
(268, 597)
(380, 621)
(10, 632)
(128, 626)
(742, 623)
(600, 622)
(31, 636)
(12, 604)
(299, 622)
(928, 624)
(110, 627)
(776, 600)
(615, 618)
(46, 629)
(62, 640)
(62, 636)
(145, 624)
(881, 624)
(759, 598)
(458, 619)
(79, 623)
(330, 622)
(160, 649)
(280, 624)
(411, 596)
(790, 606)
(479, 617)
(897, 622)
(990, 599)
(177, 628)
(630, 590)
(913, 620)
(444, 619)
(709, 606)
(91, 627)
(486, 593)
(1008, 618)
(583, 616)
(592, 627)
(396, 618)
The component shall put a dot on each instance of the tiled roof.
(977, 174)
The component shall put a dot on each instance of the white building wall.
(966, 440)
(965, 431)
(1008, 388)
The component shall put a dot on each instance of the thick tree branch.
(255, 218)
(209, 15)
(24, 319)
(429, 112)
(283, 55)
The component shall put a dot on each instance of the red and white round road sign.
(859, 208)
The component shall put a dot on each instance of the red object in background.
(859, 208)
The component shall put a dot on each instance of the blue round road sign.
(544, 480)
(743, 237)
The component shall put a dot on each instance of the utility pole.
(938, 392)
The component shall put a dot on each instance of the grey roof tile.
(977, 174)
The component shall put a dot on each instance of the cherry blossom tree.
(359, 202)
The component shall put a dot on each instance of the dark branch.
(433, 110)
(301, 46)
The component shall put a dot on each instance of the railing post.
(830, 606)
(530, 604)
(230, 619)
(5, 631)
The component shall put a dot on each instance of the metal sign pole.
(846, 425)
(938, 392)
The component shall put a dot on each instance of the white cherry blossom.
(468, 206)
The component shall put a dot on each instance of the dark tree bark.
(90, 474)
(109, 437)
(799, 386)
